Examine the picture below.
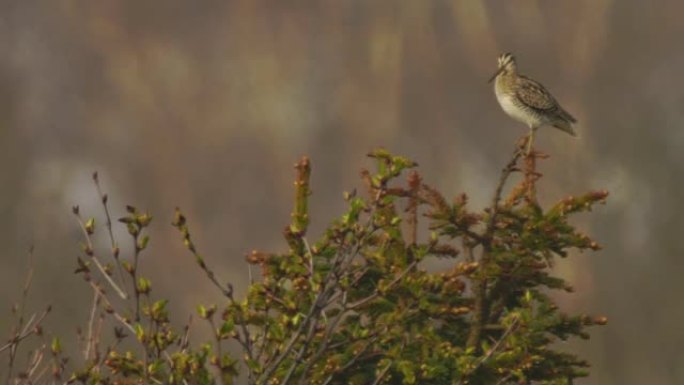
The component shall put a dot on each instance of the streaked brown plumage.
(527, 101)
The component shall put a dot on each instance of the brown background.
(206, 105)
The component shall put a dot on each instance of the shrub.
(358, 306)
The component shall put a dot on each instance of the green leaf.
(227, 328)
(202, 311)
(144, 285)
(142, 243)
(56, 346)
(139, 332)
(90, 226)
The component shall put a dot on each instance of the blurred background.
(207, 105)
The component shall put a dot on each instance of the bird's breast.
(514, 108)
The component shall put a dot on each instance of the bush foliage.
(357, 305)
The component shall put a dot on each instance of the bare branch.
(108, 223)
(91, 321)
(91, 253)
(110, 308)
(27, 331)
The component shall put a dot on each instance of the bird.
(527, 100)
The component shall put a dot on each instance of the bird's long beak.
(495, 75)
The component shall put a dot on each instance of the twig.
(227, 291)
(91, 321)
(110, 308)
(217, 340)
(382, 374)
(414, 183)
(468, 249)
(35, 363)
(377, 292)
(96, 338)
(331, 327)
(302, 351)
(504, 379)
(359, 274)
(531, 177)
(311, 260)
(27, 331)
(318, 304)
(185, 340)
(480, 288)
(34, 378)
(21, 311)
(27, 285)
(352, 361)
(505, 173)
(108, 224)
(483, 360)
(319, 352)
(90, 252)
(23, 329)
(133, 272)
(497, 344)
(327, 290)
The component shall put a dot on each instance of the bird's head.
(506, 65)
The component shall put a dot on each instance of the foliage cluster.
(358, 305)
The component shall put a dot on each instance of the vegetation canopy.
(356, 306)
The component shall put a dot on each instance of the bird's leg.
(530, 140)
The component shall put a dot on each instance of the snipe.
(527, 101)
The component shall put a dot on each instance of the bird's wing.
(534, 95)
